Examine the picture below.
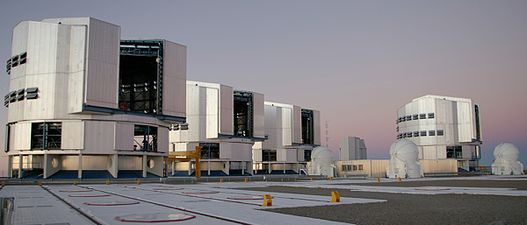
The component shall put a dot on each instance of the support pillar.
(189, 168)
(79, 172)
(144, 165)
(10, 166)
(173, 164)
(20, 161)
(46, 166)
(284, 167)
(243, 167)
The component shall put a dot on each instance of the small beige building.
(377, 167)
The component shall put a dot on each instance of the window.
(145, 138)
(415, 117)
(346, 167)
(355, 168)
(243, 112)
(409, 134)
(431, 115)
(307, 155)
(361, 167)
(416, 134)
(408, 118)
(308, 126)
(46, 135)
(454, 152)
(431, 133)
(422, 116)
(440, 133)
(211, 151)
(403, 119)
(422, 133)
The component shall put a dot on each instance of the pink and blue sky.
(355, 61)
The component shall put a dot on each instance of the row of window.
(346, 168)
(421, 116)
(21, 94)
(15, 61)
(423, 133)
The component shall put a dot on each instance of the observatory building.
(226, 123)
(84, 104)
(292, 132)
(443, 128)
(353, 148)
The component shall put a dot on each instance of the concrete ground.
(414, 202)
(469, 200)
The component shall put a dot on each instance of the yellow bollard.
(335, 196)
(399, 179)
(75, 182)
(378, 180)
(39, 183)
(311, 178)
(245, 180)
(138, 181)
(268, 200)
(108, 182)
(221, 180)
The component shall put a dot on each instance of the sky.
(355, 61)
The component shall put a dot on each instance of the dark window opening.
(440, 133)
(422, 133)
(454, 152)
(243, 112)
(416, 134)
(422, 116)
(415, 117)
(7, 137)
(308, 127)
(145, 138)
(46, 135)
(210, 150)
(431, 115)
(403, 119)
(141, 76)
(478, 129)
(408, 118)
(307, 155)
(431, 133)
(268, 155)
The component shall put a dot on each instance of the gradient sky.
(355, 61)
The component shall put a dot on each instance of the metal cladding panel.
(236, 151)
(297, 125)
(272, 124)
(284, 130)
(257, 155)
(258, 111)
(72, 135)
(316, 125)
(174, 78)
(226, 110)
(77, 69)
(99, 137)
(211, 112)
(124, 135)
(162, 139)
(22, 136)
(465, 122)
(193, 112)
(103, 64)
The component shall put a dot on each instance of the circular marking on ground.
(245, 198)
(76, 190)
(201, 192)
(112, 203)
(431, 188)
(90, 195)
(155, 217)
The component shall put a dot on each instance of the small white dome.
(404, 150)
(321, 153)
(506, 151)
